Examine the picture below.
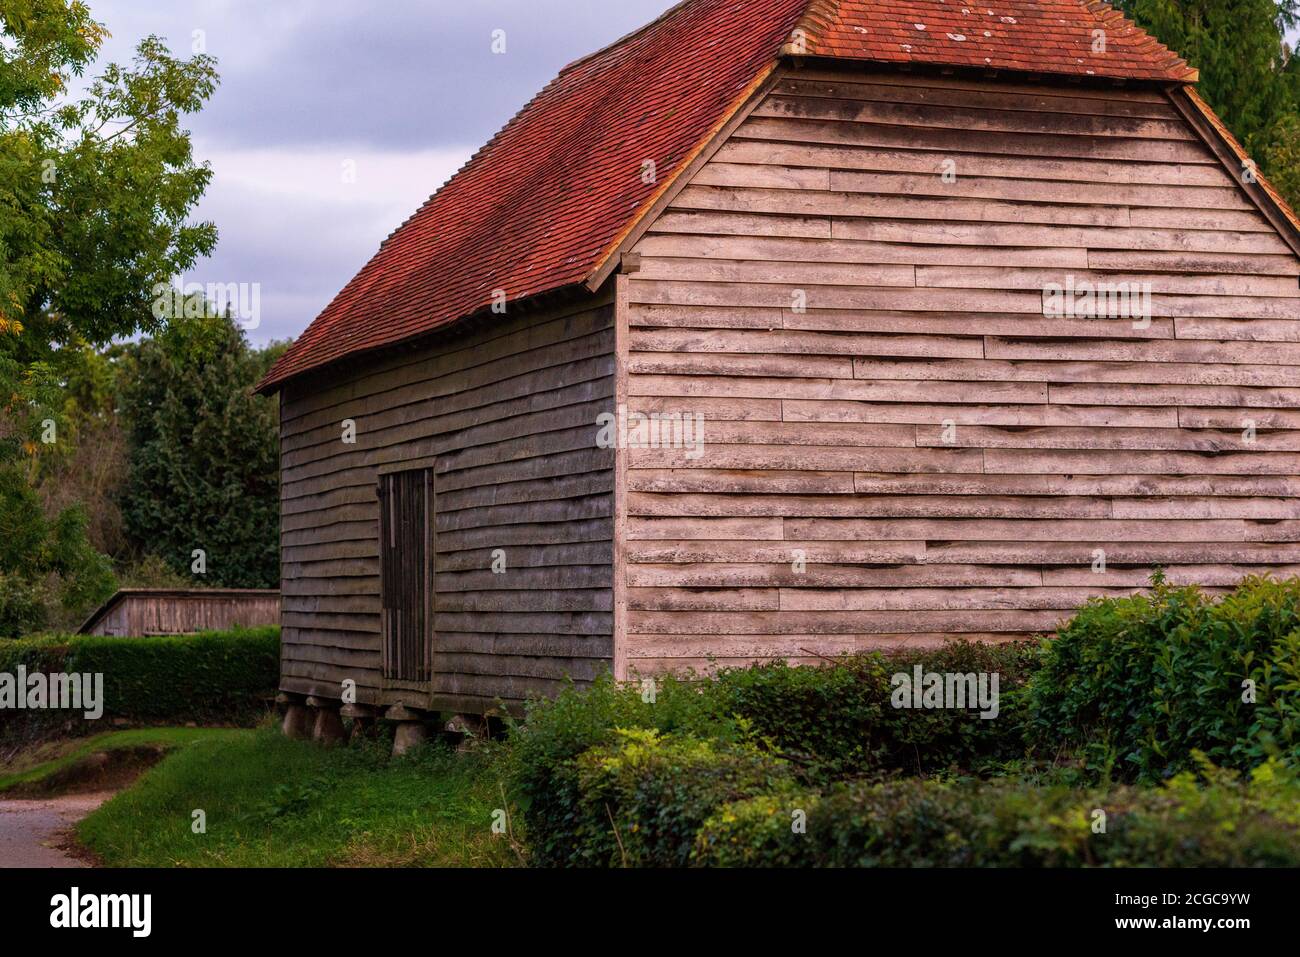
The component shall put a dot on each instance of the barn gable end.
(900, 445)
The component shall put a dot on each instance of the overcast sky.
(401, 90)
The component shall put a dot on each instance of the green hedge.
(644, 797)
(1136, 685)
(916, 823)
(838, 721)
(822, 723)
(209, 678)
(1141, 690)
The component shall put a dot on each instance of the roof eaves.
(609, 258)
(1265, 195)
(1175, 66)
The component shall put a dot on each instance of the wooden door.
(406, 508)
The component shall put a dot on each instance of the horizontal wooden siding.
(944, 458)
(506, 416)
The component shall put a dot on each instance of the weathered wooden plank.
(700, 383)
(834, 623)
(1040, 597)
(944, 92)
(1219, 285)
(755, 342)
(1253, 330)
(944, 208)
(1174, 395)
(524, 600)
(743, 529)
(787, 576)
(731, 481)
(970, 181)
(1203, 263)
(695, 221)
(703, 599)
(1238, 418)
(967, 416)
(652, 505)
(1200, 352)
(816, 457)
(486, 644)
(1215, 576)
(896, 136)
(1084, 554)
(768, 249)
(841, 110)
(1076, 485)
(1018, 530)
(1120, 439)
(1020, 168)
(861, 550)
(799, 273)
(1032, 234)
(1023, 461)
(1172, 373)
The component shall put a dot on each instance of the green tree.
(95, 195)
(43, 562)
(203, 455)
(87, 465)
(1248, 73)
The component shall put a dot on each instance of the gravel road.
(31, 831)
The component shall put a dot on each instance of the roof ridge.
(645, 27)
(818, 14)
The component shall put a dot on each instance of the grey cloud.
(340, 78)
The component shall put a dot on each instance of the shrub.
(1138, 684)
(544, 750)
(209, 678)
(839, 720)
(758, 832)
(826, 723)
(915, 823)
(644, 797)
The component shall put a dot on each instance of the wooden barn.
(783, 329)
(140, 612)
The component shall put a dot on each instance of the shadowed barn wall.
(505, 414)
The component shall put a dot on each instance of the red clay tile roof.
(1033, 36)
(545, 203)
(537, 208)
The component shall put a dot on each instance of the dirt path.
(33, 833)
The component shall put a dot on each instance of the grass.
(54, 756)
(274, 802)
